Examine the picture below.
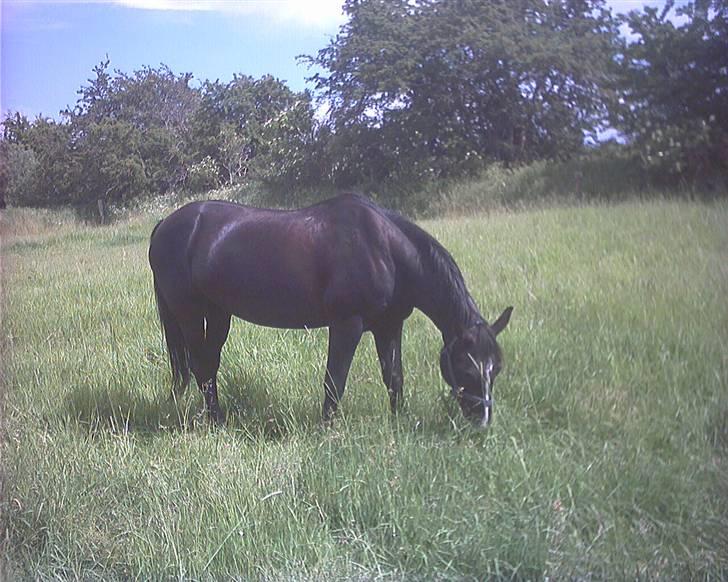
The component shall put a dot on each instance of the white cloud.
(310, 13)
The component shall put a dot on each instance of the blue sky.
(48, 48)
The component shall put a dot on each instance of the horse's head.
(470, 363)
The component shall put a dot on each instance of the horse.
(346, 264)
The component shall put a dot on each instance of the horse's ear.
(500, 324)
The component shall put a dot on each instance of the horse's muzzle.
(477, 410)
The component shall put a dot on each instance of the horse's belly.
(294, 302)
(283, 305)
(282, 313)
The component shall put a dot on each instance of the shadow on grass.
(252, 409)
(248, 404)
(98, 409)
(251, 404)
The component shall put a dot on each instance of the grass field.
(607, 457)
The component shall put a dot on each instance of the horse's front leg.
(388, 339)
(344, 336)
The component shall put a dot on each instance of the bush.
(606, 175)
(203, 176)
(20, 171)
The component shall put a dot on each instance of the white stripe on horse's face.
(486, 417)
(487, 371)
(484, 397)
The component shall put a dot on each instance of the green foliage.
(602, 176)
(254, 129)
(203, 175)
(150, 132)
(113, 165)
(674, 82)
(19, 170)
(131, 133)
(609, 173)
(47, 177)
(433, 89)
(290, 141)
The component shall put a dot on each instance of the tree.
(18, 164)
(151, 132)
(19, 170)
(154, 103)
(434, 87)
(113, 164)
(254, 129)
(674, 83)
(38, 167)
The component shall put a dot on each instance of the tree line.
(408, 92)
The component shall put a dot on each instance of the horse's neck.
(445, 301)
(437, 287)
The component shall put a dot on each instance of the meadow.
(607, 457)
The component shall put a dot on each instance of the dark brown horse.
(346, 264)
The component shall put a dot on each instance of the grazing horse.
(346, 264)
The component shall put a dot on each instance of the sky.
(48, 48)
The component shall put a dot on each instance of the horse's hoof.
(216, 417)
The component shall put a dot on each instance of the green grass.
(608, 455)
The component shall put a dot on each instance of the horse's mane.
(446, 275)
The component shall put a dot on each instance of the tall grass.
(607, 457)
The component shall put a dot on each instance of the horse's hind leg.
(205, 336)
(217, 326)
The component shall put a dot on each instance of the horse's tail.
(179, 354)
